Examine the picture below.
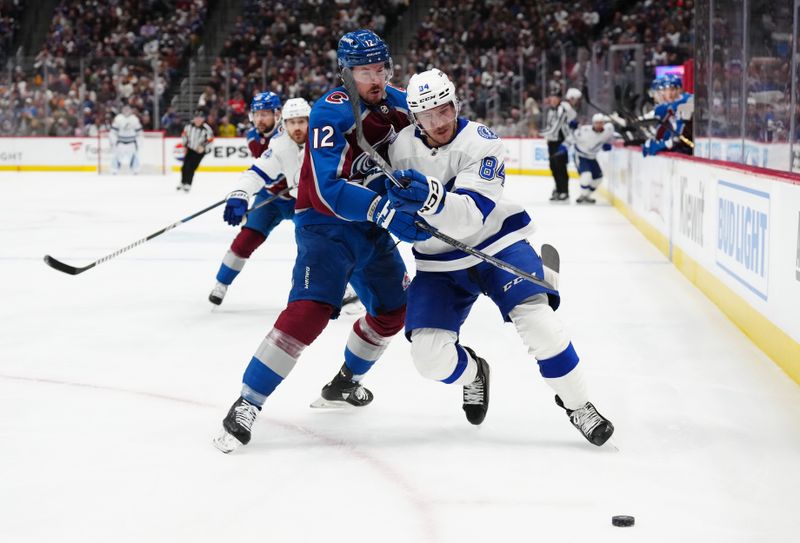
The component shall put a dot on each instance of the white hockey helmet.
(600, 118)
(573, 94)
(428, 90)
(296, 107)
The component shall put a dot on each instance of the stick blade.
(60, 266)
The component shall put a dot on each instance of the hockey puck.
(622, 520)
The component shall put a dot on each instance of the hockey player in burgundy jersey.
(343, 219)
(265, 113)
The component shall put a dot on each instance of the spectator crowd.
(98, 55)
(503, 55)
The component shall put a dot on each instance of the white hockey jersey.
(125, 129)
(280, 163)
(588, 142)
(471, 168)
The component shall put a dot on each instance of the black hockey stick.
(73, 270)
(631, 122)
(355, 104)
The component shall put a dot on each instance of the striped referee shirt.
(197, 137)
(558, 122)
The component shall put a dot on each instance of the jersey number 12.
(327, 137)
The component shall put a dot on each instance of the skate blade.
(226, 443)
(354, 308)
(322, 403)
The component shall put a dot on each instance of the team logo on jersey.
(406, 281)
(486, 133)
(385, 109)
(362, 164)
(337, 97)
(266, 154)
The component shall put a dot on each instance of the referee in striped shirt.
(196, 136)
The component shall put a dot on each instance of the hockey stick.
(355, 104)
(74, 270)
(635, 123)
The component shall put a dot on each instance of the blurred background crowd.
(69, 65)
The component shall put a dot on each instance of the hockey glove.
(607, 147)
(562, 150)
(573, 124)
(421, 194)
(397, 222)
(236, 207)
(618, 120)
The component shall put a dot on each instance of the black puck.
(622, 520)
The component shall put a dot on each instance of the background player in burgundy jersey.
(265, 113)
(342, 217)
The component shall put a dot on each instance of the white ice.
(113, 382)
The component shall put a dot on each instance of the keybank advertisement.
(742, 249)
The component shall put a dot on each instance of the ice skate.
(342, 391)
(476, 394)
(236, 426)
(594, 426)
(351, 304)
(218, 293)
(559, 197)
(183, 187)
(585, 199)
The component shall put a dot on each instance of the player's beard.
(374, 94)
(297, 136)
(264, 129)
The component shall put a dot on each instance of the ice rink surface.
(113, 382)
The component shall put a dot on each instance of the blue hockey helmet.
(673, 81)
(362, 47)
(657, 83)
(265, 100)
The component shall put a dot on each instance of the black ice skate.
(559, 197)
(594, 426)
(218, 293)
(236, 426)
(342, 391)
(476, 394)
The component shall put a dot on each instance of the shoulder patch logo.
(266, 154)
(486, 133)
(337, 97)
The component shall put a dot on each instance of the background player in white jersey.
(590, 139)
(278, 168)
(126, 141)
(455, 174)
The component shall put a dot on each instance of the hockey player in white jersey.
(277, 169)
(454, 175)
(125, 137)
(590, 139)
